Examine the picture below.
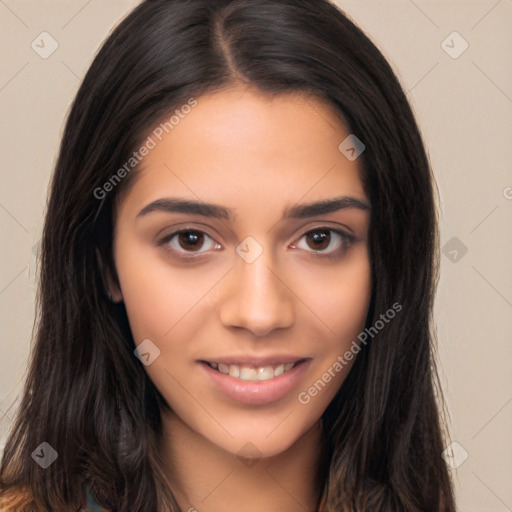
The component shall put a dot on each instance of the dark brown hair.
(86, 394)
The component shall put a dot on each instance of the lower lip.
(258, 392)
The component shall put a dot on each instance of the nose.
(257, 298)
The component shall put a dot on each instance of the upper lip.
(255, 361)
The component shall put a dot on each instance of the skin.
(257, 155)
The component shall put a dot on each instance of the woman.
(238, 269)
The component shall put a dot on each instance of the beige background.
(464, 107)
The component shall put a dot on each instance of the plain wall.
(463, 102)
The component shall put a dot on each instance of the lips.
(258, 391)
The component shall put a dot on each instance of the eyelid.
(164, 241)
(347, 240)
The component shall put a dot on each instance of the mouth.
(248, 372)
(252, 384)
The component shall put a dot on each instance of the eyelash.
(346, 242)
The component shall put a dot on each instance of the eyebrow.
(303, 211)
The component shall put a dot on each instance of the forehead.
(240, 147)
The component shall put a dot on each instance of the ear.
(113, 287)
(110, 281)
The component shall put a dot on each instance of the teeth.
(279, 370)
(234, 371)
(248, 373)
(251, 372)
(223, 368)
(265, 373)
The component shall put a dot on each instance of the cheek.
(339, 296)
(159, 296)
(340, 300)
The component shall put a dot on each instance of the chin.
(263, 441)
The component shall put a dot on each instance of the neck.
(206, 478)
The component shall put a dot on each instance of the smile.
(255, 384)
(252, 373)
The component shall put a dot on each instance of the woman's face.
(257, 280)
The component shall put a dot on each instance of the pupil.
(320, 237)
(190, 238)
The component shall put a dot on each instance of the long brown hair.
(90, 399)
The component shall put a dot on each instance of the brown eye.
(190, 240)
(184, 243)
(319, 239)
